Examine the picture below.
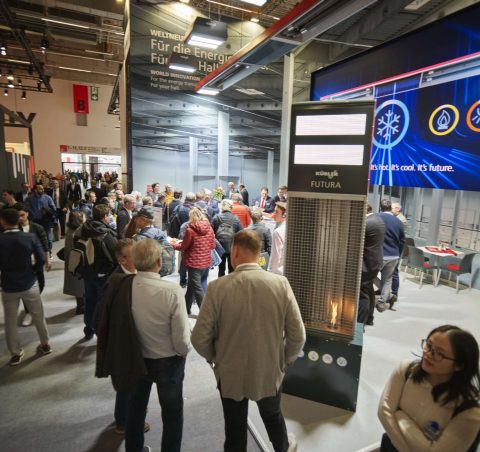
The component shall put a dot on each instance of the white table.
(436, 258)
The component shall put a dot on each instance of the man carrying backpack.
(225, 225)
(95, 240)
(144, 220)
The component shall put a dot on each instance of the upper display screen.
(427, 117)
(331, 125)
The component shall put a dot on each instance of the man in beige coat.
(249, 329)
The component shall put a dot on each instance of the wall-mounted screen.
(427, 116)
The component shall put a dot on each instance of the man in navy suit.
(372, 263)
(264, 202)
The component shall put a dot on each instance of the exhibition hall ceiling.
(83, 40)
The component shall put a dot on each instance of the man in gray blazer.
(250, 329)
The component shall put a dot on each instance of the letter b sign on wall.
(80, 99)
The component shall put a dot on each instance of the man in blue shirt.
(19, 282)
(393, 243)
(42, 211)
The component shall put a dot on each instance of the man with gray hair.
(250, 329)
(125, 214)
(144, 338)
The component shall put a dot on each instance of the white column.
(270, 186)
(288, 72)
(223, 137)
(193, 162)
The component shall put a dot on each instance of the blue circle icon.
(392, 119)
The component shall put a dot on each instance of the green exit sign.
(93, 93)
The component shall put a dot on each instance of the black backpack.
(81, 260)
(224, 235)
(168, 257)
(174, 225)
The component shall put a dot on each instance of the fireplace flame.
(333, 318)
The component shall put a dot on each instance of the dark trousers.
(182, 271)
(221, 267)
(61, 220)
(194, 287)
(204, 279)
(396, 280)
(168, 374)
(121, 406)
(236, 413)
(93, 294)
(366, 302)
(47, 227)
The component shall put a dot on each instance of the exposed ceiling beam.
(378, 14)
(22, 39)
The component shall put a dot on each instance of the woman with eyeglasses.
(432, 404)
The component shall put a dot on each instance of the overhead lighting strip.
(71, 24)
(242, 9)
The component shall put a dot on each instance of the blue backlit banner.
(427, 117)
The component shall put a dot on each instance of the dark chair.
(409, 241)
(416, 260)
(461, 267)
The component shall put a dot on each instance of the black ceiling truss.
(20, 37)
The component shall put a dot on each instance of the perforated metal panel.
(323, 258)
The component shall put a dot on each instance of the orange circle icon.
(474, 109)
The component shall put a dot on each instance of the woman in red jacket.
(197, 245)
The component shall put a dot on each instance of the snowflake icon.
(388, 125)
(393, 119)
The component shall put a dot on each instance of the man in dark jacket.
(226, 216)
(104, 239)
(42, 211)
(19, 281)
(372, 263)
(125, 214)
(60, 201)
(23, 195)
(392, 250)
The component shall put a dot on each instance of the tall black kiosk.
(330, 148)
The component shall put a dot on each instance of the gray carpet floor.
(54, 403)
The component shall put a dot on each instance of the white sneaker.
(27, 320)
(292, 442)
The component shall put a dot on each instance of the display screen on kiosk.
(427, 116)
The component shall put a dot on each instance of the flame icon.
(444, 120)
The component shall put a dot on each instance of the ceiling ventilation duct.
(303, 23)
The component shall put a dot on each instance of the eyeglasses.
(436, 355)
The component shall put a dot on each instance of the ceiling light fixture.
(19, 82)
(10, 75)
(207, 33)
(241, 9)
(73, 69)
(3, 49)
(24, 95)
(254, 20)
(185, 1)
(416, 5)
(255, 2)
(5, 93)
(249, 91)
(39, 86)
(44, 44)
(98, 53)
(64, 23)
(181, 62)
(208, 91)
(10, 84)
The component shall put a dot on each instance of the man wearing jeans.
(250, 329)
(393, 243)
(19, 282)
(161, 322)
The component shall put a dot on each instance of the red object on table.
(436, 249)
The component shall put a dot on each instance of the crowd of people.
(117, 248)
